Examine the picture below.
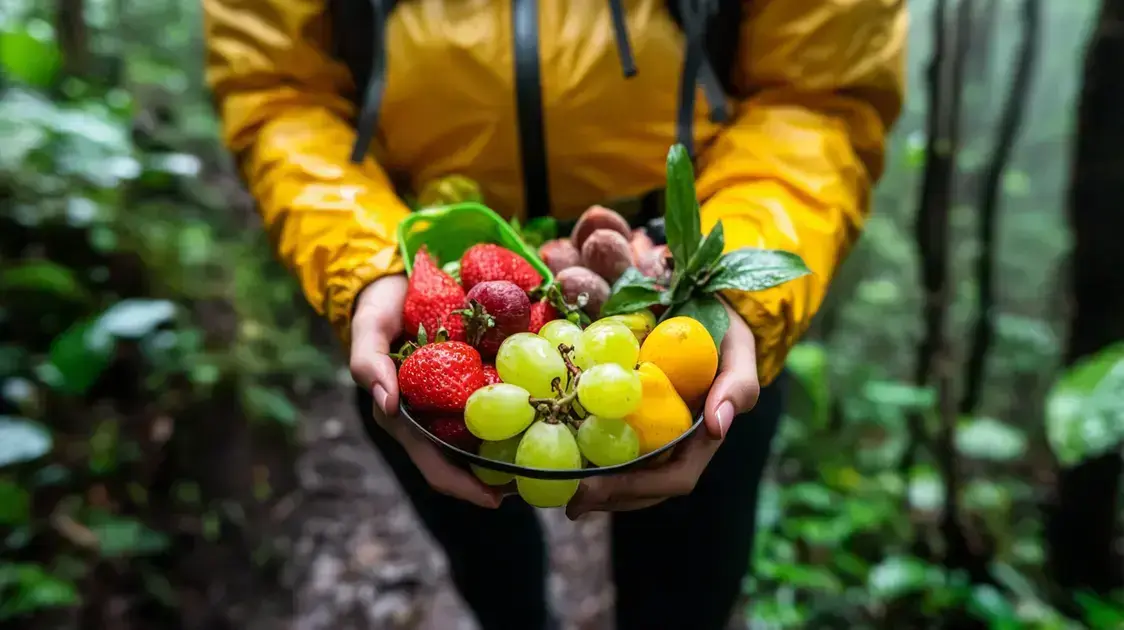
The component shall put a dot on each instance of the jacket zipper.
(528, 100)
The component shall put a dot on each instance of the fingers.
(644, 488)
(377, 322)
(446, 478)
(736, 388)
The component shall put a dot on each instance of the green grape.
(609, 390)
(551, 446)
(560, 331)
(608, 441)
(497, 412)
(608, 341)
(529, 361)
(502, 451)
(546, 493)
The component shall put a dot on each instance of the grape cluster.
(563, 402)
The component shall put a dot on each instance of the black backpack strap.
(711, 29)
(353, 23)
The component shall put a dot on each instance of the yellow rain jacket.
(817, 85)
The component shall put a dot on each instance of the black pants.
(678, 565)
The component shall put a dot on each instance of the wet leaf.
(750, 269)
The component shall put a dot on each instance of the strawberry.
(441, 376)
(541, 313)
(496, 310)
(431, 296)
(491, 375)
(452, 430)
(486, 262)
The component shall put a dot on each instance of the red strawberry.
(486, 262)
(496, 310)
(441, 376)
(431, 296)
(491, 375)
(541, 313)
(452, 430)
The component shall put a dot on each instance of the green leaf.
(1099, 613)
(35, 589)
(1085, 408)
(77, 357)
(900, 575)
(709, 253)
(750, 269)
(989, 603)
(271, 403)
(125, 536)
(42, 276)
(708, 311)
(30, 60)
(22, 440)
(631, 299)
(681, 218)
(15, 504)
(631, 292)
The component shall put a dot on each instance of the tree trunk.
(1081, 524)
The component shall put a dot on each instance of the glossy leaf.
(749, 269)
(681, 218)
(22, 440)
(709, 253)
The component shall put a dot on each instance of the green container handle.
(448, 231)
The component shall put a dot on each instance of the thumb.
(377, 322)
(736, 387)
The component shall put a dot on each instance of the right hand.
(377, 322)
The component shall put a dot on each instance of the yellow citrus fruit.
(662, 415)
(683, 349)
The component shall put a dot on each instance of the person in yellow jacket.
(335, 109)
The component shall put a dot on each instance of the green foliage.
(700, 267)
(1085, 409)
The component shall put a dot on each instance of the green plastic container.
(450, 230)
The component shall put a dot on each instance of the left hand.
(734, 391)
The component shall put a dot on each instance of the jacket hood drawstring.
(697, 70)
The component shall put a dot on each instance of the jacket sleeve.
(285, 116)
(822, 83)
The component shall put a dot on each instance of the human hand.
(734, 391)
(377, 322)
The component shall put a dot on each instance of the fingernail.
(380, 396)
(725, 415)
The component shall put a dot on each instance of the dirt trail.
(362, 561)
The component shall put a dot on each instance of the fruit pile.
(503, 367)
(601, 248)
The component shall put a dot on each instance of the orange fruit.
(662, 415)
(684, 351)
